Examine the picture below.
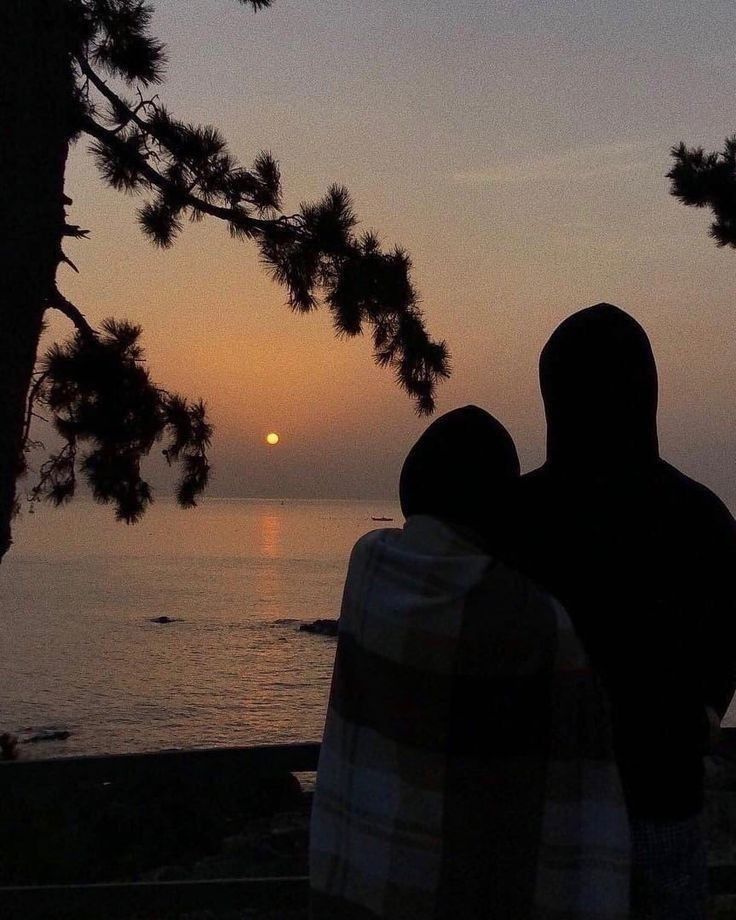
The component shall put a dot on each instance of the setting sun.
(272, 438)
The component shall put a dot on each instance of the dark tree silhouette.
(60, 60)
(708, 180)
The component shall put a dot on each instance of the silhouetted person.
(644, 560)
(467, 742)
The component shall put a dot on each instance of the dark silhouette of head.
(463, 463)
(599, 385)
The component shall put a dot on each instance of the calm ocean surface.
(78, 591)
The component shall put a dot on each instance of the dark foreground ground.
(202, 824)
(152, 819)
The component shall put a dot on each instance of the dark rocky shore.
(149, 825)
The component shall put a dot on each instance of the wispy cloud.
(578, 163)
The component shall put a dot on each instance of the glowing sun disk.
(272, 438)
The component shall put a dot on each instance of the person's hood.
(462, 464)
(599, 384)
(427, 563)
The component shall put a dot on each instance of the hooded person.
(466, 768)
(644, 560)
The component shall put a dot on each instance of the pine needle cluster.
(708, 180)
(110, 415)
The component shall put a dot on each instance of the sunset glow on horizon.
(518, 152)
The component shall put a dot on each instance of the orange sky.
(518, 153)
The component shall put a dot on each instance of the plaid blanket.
(466, 769)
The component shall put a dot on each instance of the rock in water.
(45, 734)
(163, 620)
(320, 627)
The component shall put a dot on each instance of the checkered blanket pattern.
(466, 767)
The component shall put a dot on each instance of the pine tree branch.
(111, 96)
(243, 222)
(65, 258)
(75, 231)
(152, 175)
(58, 471)
(312, 253)
(143, 104)
(30, 414)
(57, 301)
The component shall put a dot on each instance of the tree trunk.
(38, 111)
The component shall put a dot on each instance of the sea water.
(80, 653)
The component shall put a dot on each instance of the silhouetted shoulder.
(694, 500)
(535, 484)
(368, 543)
(529, 480)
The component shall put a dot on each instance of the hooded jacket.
(642, 557)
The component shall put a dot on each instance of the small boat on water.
(381, 518)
